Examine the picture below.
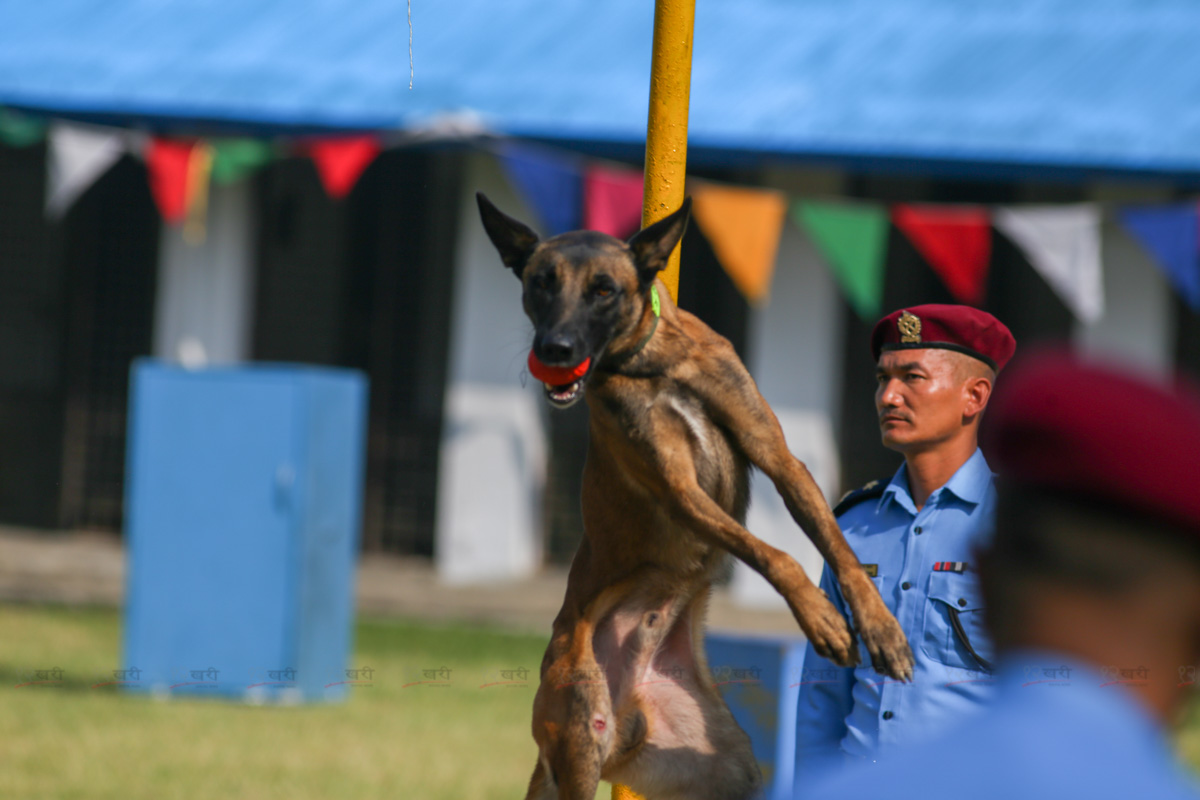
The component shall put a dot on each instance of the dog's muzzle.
(564, 385)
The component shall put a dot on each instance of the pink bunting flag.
(955, 240)
(612, 200)
(341, 161)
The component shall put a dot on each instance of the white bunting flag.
(1063, 245)
(78, 156)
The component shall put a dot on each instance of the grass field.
(70, 740)
(391, 739)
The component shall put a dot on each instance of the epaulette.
(853, 498)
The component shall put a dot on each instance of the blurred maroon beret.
(1096, 432)
(950, 327)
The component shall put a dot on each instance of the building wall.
(795, 342)
(76, 307)
(364, 282)
(205, 301)
(492, 468)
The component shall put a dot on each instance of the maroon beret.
(1096, 432)
(961, 328)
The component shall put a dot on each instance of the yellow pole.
(666, 143)
(666, 128)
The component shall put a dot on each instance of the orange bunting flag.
(340, 162)
(200, 161)
(612, 200)
(956, 241)
(169, 164)
(743, 226)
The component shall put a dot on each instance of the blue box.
(242, 516)
(759, 677)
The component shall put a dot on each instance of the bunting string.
(744, 224)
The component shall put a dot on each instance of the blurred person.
(936, 366)
(1092, 591)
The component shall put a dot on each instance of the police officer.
(1092, 584)
(914, 534)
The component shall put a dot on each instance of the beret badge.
(909, 326)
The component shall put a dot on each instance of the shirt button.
(962, 601)
(917, 529)
(906, 585)
(888, 715)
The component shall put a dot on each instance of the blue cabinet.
(243, 508)
(759, 677)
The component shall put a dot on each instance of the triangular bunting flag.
(341, 161)
(550, 183)
(853, 239)
(78, 155)
(1063, 244)
(612, 200)
(1171, 235)
(233, 159)
(168, 162)
(200, 161)
(743, 226)
(956, 241)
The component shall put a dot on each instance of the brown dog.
(675, 423)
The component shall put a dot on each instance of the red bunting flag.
(612, 200)
(341, 161)
(955, 240)
(168, 162)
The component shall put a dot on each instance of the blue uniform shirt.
(1056, 729)
(921, 564)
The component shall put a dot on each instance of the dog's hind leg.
(541, 784)
(573, 720)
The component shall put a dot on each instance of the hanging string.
(410, 54)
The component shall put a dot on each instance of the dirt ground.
(88, 568)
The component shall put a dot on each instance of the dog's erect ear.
(515, 240)
(652, 245)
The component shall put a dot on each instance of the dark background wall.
(366, 283)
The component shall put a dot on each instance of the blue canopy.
(976, 85)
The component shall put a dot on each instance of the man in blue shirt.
(1092, 585)
(915, 535)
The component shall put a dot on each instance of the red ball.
(557, 376)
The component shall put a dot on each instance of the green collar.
(656, 305)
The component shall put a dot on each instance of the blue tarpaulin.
(1108, 85)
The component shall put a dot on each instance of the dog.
(675, 423)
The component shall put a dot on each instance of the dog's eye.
(602, 290)
(542, 281)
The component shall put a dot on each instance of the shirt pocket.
(956, 595)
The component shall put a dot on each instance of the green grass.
(71, 740)
(392, 740)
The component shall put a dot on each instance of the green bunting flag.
(233, 159)
(19, 130)
(853, 239)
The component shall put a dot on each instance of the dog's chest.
(700, 430)
(720, 468)
(660, 427)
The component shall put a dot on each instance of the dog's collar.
(656, 306)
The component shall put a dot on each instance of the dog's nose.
(557, 350)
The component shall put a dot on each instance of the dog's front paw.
(885, 642)
(830, 634)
